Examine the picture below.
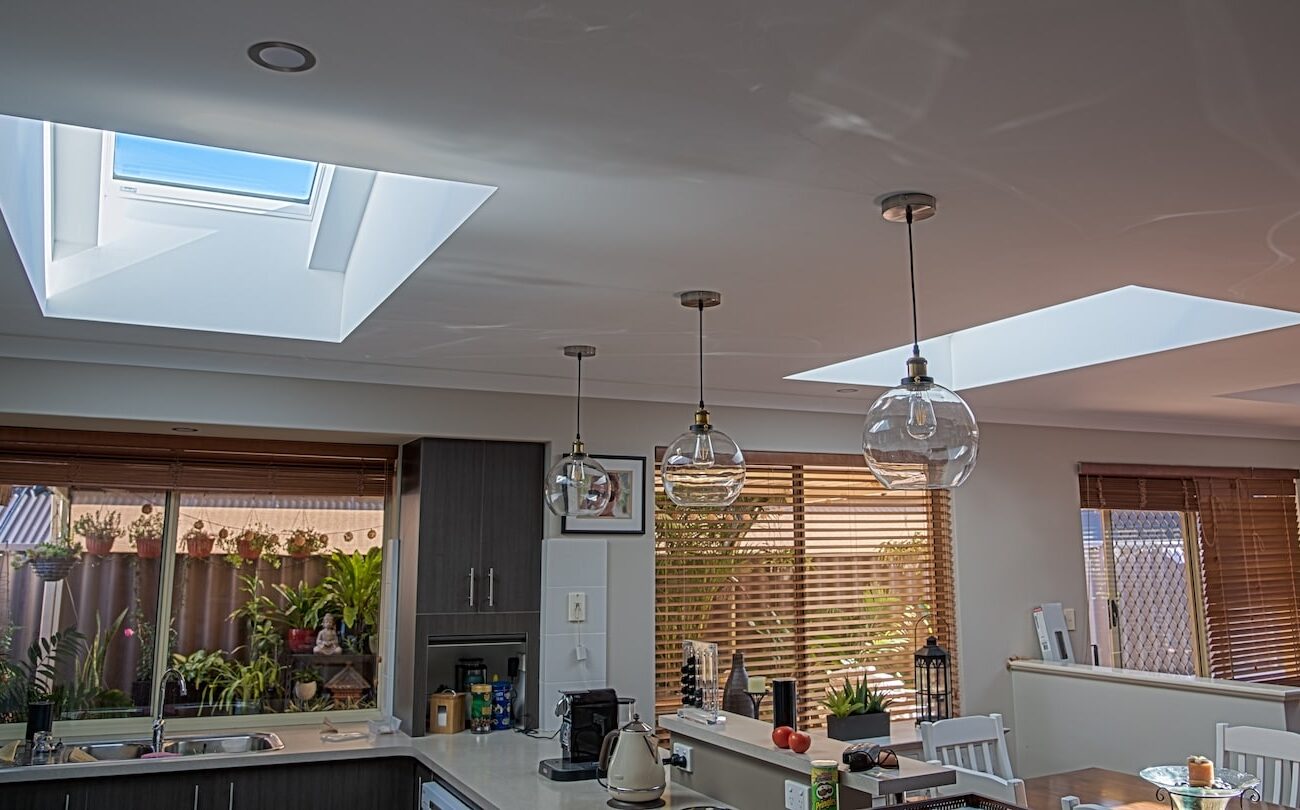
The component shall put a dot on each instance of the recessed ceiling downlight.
(283, 57)
(185, 429)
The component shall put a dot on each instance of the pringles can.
(480, 708)
(825, 784)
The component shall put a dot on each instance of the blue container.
(503, 693)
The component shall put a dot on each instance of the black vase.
(40, 717)
(734, 699)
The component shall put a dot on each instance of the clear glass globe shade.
(577, 486)
(703, 467)
(920, 436)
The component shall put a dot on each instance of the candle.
(757, 683)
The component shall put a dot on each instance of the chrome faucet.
(158, 725)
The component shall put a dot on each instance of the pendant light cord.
(701, 308)
(577, 427)
(911, 269)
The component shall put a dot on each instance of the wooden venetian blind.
(147, 461)
(1250, 561)
(816, 572)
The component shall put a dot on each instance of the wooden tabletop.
(1108, 788)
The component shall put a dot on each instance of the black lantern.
(933, 683)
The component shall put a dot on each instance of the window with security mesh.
(816, 572)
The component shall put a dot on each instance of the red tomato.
(800, 742)
(781, 736)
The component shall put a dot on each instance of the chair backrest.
(1010, 791)
(1072, 803)
(977, 743)
(1271, 754)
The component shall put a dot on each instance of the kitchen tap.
(158, 724)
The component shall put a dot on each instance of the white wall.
(1016, 522)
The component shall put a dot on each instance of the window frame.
(126, 189)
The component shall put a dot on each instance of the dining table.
(1124, 791)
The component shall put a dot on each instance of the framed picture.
(625, 513)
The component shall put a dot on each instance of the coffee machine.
(587, 715)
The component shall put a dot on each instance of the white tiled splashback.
(570, 565)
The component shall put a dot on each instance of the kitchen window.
(1193, 571)
(816, 572)
(238, 550)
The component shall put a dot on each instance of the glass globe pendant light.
(919, 435)
(703, 467)
(577, 485)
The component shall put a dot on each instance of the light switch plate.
(1069, 618)
(577, 606)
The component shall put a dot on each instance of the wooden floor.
(1107, 788)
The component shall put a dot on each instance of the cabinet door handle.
(196, 797)
(67, 800)
(231, 804)
(471, 587)
(492, 573)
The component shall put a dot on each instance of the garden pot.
(304, 691)
(299, 552)
(247, 707)
(53, 569)
(302, 639)
(247, 551)
(200, 547)
(858, 726)
(40, 717)
(148, 548)
(99, 545)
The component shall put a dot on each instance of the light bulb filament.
(921, 423)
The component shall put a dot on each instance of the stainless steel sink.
(188, 746)
(223, 744)
(114, 749)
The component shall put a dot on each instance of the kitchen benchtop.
(496, 771)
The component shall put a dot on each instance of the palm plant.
(35, 678)
(303, 604)
(353, 588)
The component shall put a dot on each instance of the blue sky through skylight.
(151, 160)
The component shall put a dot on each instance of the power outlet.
(577, 606)
(684, 751)
(796, 795)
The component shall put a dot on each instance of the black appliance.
(587, 715)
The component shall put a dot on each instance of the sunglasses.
(865, 756)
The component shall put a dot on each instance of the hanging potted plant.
(52, 560)
(250, 544)
(146, 533)
(198, 542)
(857, 711)
(303, 543)
(99, 530)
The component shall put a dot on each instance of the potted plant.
(198, 541)
(250, 544)
(305, 683)
(353, 587)
(206, 673)
(146, 534)
(28, 684)
(303, 543)
(249, 684)
(857, 711)
(52, 560)
(99, 530)
(301, 614)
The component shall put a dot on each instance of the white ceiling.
(641, 149)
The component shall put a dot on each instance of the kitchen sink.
(223, 744)
(188, 746)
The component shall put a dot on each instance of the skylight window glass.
(187, 165)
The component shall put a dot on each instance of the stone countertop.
(753, 738)
(496, 771)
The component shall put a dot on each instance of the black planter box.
(858, 726)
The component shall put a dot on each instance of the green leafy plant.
(250, 684)
(303, 604)
(306, 675)
(857, 697)
(147, 526)
(99, 524)
(207, 673)
(353, 587)
(252, 543)
(302, 542)
(145, 630)
(36, 677)
(842, 702)
(258, 612)
(60, 548)
(90, 674)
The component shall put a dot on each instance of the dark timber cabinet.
(345, 784)
(471, 555)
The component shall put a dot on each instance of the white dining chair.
(1072, 803)
(1009, 791)
(977, 743)
(1271, 754)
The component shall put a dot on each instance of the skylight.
(209, 168)
(1114, 325)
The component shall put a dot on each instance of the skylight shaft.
(209, 168)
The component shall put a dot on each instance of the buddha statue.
(327, 639)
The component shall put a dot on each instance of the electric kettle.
(630, 756)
